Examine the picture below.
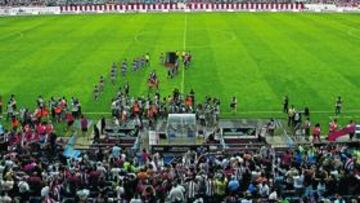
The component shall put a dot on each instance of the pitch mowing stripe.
(351, 33)
(184, 49)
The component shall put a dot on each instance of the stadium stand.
(235, 163)
(99, 2)
(47, 7)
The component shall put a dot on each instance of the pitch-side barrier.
(176, 7)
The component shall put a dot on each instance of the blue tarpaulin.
(2, 131)
(69, 150)
(168, 159)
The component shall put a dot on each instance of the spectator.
(176, 194)
(84, 125)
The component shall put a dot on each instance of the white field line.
(184, 49)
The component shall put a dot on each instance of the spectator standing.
(84, 125)
(291, 115)
(338, 105)
(176, 194)
(286, 104)
(307, 128)
(233, 104)
(333, 126)
(102, 125)
(352, 129)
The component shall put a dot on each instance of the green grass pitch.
(258, 57)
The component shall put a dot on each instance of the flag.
(336, 134)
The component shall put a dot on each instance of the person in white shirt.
(298, 183)
(24, 189)
(116, 151)
(5, 198)
(119, 192)
(136, 199)
(45, 191)
(176, 194)
(100, 167)
(264, 190)
(83, 194)
(273, 195)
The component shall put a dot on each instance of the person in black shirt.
(286, 104)
(103, 125)
(233, 105)
(127, 88)
(338, 106)
(192, 95)
(96, 92)
(53, 138)
(307, 112)
(96, 134)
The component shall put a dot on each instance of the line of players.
(137, 63)
(140, 63)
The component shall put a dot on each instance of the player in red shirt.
(333, 126)
(69, 119)
(316, 133)
(14, 123)
(49, 128)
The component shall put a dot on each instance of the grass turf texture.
(258, 57)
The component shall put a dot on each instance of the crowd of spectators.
(40, 173)
(33, 166)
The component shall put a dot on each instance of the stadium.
(183, 101)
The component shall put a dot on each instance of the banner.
(345, 131)
(297, 6)
(199, 6)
